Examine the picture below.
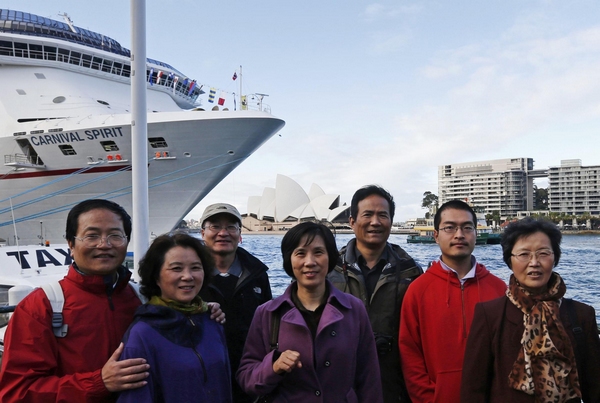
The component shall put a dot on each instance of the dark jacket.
(494, 343)
(253, 289)
(186, 353)
(383, 308)
(338, 365)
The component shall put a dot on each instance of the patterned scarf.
(545, 366)
(196, 306)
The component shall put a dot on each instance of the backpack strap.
(275, 320)
(55, 295)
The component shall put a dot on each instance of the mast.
(139, 134)
(241, 95)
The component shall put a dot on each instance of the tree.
(540, 198)
(429, 199)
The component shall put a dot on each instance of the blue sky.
(381, 92)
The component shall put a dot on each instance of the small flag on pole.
(158, 76)
(234, 76)
(211, 95)
(175, 83)
(150, 75)
(221, 99)
(244, 103)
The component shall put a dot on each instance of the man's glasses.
(94, 241)
(451, 229)
(526, 256)
(232, 229)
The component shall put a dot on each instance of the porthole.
(186, 154)
(59, 100)
(102, 102)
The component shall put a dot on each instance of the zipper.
(199, 356)
(462, 298)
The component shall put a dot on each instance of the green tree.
(540, 198)
(429, 199)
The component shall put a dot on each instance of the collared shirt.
(371, 275)
(226, 282)
(470, 274)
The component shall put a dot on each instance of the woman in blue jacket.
(325, 349)
(185, 349)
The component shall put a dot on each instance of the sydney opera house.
(287, 204)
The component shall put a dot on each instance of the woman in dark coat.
(325, 349)
(532, 345)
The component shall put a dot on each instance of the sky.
(381, 92)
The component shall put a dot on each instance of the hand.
(123, 375)
(287, 361)
(216, 313)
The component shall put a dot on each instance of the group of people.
(363, 324)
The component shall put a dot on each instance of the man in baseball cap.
(239, 281)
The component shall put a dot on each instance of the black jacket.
(252, 290)
(383, 307)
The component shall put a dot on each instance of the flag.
(211, 95)
(175, 83)
(234, 76)
(244, 103)
(171, 76)
(221, 99)
(158, 76)
(192, 85)
(150, 75)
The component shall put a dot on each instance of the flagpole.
(241, 106)
(139, 134)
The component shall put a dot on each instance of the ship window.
(109, 146)
(6, 48)
(97, 63)
(86, 60)
(67, 149)
(107, 65)
(126, 70)
(21, 50)
(63, 55)
(35, 51)
(117, 68)
(75, 58)
(157, 142)
(4, 302)
(50, 52)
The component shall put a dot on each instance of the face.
(104, 259)
(181, 275)
(457, 246)
(221, 242)
(535, 274)
(310, 263)
(373, 225)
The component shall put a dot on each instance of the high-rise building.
(574, 189)
(502, 185)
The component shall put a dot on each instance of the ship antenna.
(68, 21)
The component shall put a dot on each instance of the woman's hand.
(287, 361)
(216, 313)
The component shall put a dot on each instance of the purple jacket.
(340, 366)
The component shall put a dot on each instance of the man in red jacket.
(438, 308)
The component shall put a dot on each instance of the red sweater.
(434, 324)
(39, 367)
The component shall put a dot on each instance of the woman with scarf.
(185, 349)
(324, 349)
(532, 345)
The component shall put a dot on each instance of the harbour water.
(577, 266)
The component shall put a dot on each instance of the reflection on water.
(577, 265)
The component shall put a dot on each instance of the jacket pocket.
(447, 386)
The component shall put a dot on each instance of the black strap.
(275, 319)
(578, 333)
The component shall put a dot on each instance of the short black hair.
(152, 262)
(95, 204)
(311, 230)
(525, 227)
(453, 204)
(367, 191)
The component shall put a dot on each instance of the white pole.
(241, 95)
(139, 134)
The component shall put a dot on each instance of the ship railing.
(23, 161)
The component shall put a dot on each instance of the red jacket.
(39, 367)
(436, 316)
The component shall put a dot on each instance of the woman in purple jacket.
(185, 349)
(324, 350)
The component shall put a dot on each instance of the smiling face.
(534, 274)
(181, 275)
(456, 246)
(104, 259)
(373, 223)
(221, 242)
(310, 264)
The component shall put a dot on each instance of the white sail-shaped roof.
(315, 191)
(289, 197)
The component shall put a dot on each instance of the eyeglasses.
(526, 256)
(232, 229)
(451, 229)
(94, 241)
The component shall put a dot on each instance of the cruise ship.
(65, 130)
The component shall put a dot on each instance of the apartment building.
(502, 185)
(574, 189)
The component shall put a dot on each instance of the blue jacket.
(340, 365)
(187, 357)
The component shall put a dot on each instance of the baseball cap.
(220, 208)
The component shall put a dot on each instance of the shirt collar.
(470, 274)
